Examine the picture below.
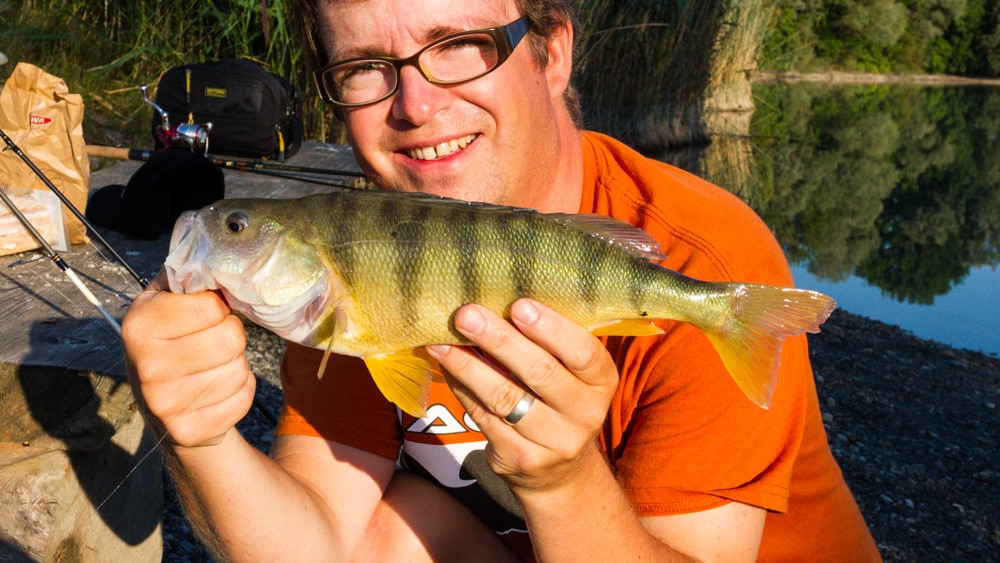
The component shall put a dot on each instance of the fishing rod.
(236, 164)
(58, 260)
(142, 281)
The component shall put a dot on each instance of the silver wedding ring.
(521, 408)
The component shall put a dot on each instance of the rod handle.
(107, 152)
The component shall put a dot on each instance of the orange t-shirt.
(680, 434)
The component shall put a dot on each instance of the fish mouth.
(186, 257)
(441, 150)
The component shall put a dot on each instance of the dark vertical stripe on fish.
(594, 253)
(463, 227)
(344, 221)
(524, 260)
(639, 284)
(408, 243)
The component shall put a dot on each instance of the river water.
(885, 197)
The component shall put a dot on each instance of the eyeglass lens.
(455, 60)
(451, 60)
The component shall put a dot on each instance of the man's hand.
(570, 373)
(187, 363)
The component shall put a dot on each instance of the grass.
(106, 50)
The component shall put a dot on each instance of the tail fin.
(749, 342)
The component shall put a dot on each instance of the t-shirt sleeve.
(343, 406)
(687, 438)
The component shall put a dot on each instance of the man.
(624, 449)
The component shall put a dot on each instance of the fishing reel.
(194, 136)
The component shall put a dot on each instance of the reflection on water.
(888, 197)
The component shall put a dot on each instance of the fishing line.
(124, 479)
(159, 442)
(55, 288)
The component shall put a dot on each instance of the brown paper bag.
(45, 121)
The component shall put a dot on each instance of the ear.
(560, 65)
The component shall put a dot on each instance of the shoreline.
(843, 77)
(914, 425)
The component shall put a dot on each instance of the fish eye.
(236, 222)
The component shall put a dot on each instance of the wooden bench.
(80, 478)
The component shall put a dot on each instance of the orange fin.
(404, 378)
(629, 327)
(749, 342)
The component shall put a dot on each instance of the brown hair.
(545, 15)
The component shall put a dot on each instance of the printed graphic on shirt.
(447, 446)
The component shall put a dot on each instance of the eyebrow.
(429, 37)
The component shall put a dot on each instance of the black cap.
(171, 182)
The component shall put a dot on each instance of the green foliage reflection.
(899, 185)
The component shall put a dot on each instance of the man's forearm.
(245, 507)
(588, 518)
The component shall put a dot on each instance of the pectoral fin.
(404, 378)
(629, 327)
(326, 358)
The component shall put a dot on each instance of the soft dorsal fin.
(614, 231)
(404, 378)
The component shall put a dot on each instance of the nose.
(417, 100)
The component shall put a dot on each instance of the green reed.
(652, 72)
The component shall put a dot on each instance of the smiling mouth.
(442, 150)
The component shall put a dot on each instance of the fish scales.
(409, 260)
(419, 250)
(377, 274)
(462, 220)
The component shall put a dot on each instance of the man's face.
(493, 139)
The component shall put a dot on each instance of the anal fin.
(627, 327)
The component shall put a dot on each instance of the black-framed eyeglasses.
(448, 61)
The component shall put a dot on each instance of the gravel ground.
(914, 424)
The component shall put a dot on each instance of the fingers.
(576, 348)
(570, 374)
(158, 312)
(554, 357)
(187, 363)
(567, 368)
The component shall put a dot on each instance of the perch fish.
(379, 275)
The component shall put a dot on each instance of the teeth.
(442, 150)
